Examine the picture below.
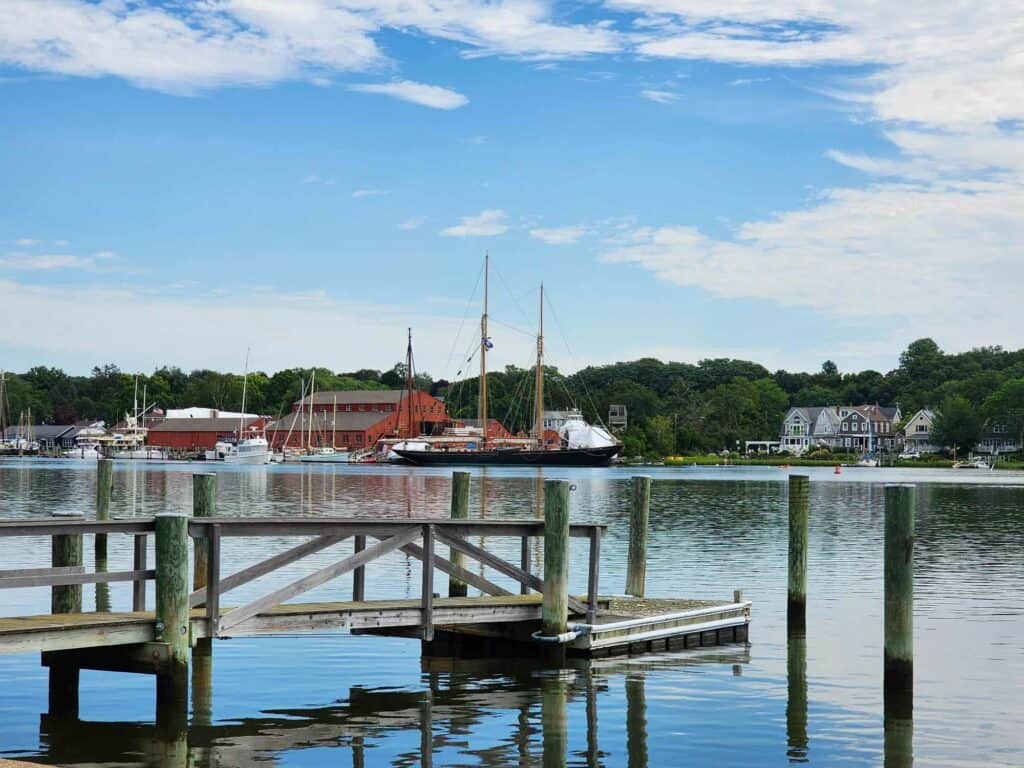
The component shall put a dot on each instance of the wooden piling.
(172, 611)
(899, 588)
(65, 551)
(636, 569)
(555, 608)
(460, 511)
(799, 504)
(204, 504)
(104, 484)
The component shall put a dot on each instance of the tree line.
(674, 408)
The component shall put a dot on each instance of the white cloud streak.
(485, 224)
(433, 96)
(51, 262)
(661, 97)
(558, 235)
(369, 192)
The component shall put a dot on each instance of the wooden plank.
(253, 572)
(51, 527)
(427, 585)
(64, 579)
(322, 576)
(291, 526)
(213, 578)
(42, 571)
(593, 574)
(48, 633)
(142, 658)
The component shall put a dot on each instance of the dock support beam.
(460, 511)
(104, 483)
(172, 617)
(899, 591)
(799, 504)
(66, 550)
(204, 504)
(555, 608)
(636, 569)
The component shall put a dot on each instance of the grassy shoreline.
(793, 461)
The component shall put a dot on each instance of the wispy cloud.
(413, 222)
(433, 96)
(661, 97)
(558, 235)
(26, 242)
(51, 262)
(741, 81)
(485, 224)
(314, 178)
(369, 192)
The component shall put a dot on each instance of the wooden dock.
(542, 620)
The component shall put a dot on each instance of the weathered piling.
(204, 504)
(65, 552)
(104, 484)
(639, 516)
(899, 589)
(172, 612)
(799, 503)
(460, 511)
(555, 609)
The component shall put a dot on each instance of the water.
(337, 699)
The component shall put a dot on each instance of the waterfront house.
(840, 428)
(997, 438)
(49, 436)
(917, 435)
(195, 435)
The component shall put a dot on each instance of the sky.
(784, 182)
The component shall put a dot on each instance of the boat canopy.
(578, 434)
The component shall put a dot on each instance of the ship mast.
(539, 400)
(245, 383)
(409, 384)
(312, 389)
(484, 342)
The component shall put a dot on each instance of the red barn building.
(194, 435)
(357, 419)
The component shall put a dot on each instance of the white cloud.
(314, 178)
(61, 243)
(49, 262)
(369, 192)
(413, 222)
(485, 224)
(741, 81)
(418, 93)
(661, 97)
(558, 235)
(206, 323)
(26, 242)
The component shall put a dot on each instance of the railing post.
(427, 591)
(636, 569)
(359, 574)
(172, 611)
(104, 483)
(899, 589)
(593, 574)
(213, 579)
(139, 564)
(204, 504)
(460, 511)
(555, 607)
(524, 563)
(65, 550)
(799, 504)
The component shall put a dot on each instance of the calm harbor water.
(333, 699)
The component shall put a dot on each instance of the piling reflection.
(796, 704)
(457, 700)
(898, 748)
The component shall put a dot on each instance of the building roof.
(344, 422)
(40, 431)
(221, 426)
(355, 397)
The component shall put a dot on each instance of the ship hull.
(572, 457)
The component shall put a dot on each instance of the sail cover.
(578, 434)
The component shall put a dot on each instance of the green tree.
(957, 425)
(1006, 406)
(660, 437)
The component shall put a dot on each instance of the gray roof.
(356, 397)
(221, 426)
(346, 421)
(41, 431)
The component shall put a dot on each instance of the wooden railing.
(390, 536)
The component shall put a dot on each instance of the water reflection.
(796, 702)
(457, 699)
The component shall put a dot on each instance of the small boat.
(326, 455)
(253, 449)
(978, 462)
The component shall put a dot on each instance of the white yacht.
(252, 449)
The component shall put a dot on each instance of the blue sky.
(185, 180)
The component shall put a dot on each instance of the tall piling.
(65, 551)
(204, 504)
(104, 485)
(639, 517)
(555, 609)
(172, 619)
(460, 511)
(799, 504)
(899, 591)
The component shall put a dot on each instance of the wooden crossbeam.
(253, 572)
(500, 565)
(278, 596)
(447, 566)
(16, 572)
(51, 579)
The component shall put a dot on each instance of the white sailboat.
(253, 449)
(326, 454)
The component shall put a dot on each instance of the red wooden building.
(357, 419)
(197, 434)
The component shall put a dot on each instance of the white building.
(917, 435)
(206, 413)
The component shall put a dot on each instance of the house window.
(846, 442)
